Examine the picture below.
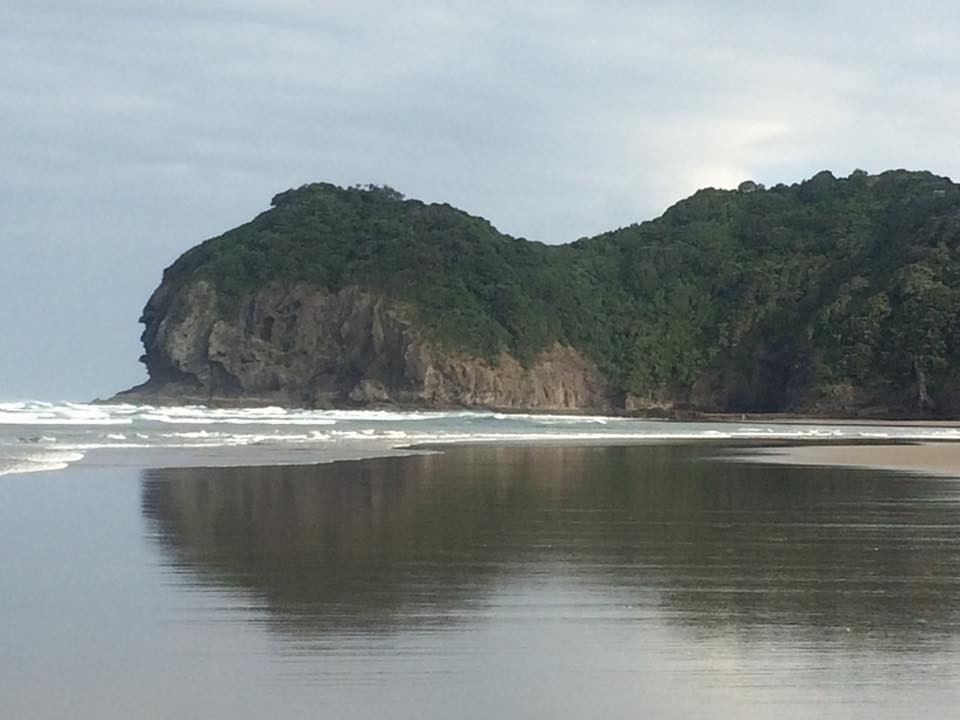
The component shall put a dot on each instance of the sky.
(130, 130)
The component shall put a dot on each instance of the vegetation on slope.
(827, 294)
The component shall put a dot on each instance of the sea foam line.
(42, 463)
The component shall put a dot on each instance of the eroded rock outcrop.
(298, 345)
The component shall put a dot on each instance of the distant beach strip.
(928, 458)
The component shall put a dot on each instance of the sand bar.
(937, 458)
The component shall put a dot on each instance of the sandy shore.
(938, 458)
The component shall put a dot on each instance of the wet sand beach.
(935, 458)
(485, 581)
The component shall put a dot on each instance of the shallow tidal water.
(665, 581)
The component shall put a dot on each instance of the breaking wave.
(42, 436)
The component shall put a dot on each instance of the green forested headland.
(832, 295)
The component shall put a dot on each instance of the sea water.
(37, 436)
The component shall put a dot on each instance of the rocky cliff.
(299, 345)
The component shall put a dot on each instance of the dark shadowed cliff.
(831, 296)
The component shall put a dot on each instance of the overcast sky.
(130, 130)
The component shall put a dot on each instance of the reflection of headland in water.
(710, 544)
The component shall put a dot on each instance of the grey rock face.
(298, 345)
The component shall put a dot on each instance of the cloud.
(148, 125)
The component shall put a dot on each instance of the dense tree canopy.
(831, 293)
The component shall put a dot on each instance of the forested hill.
(834, 295)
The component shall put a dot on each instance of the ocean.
(37, 436)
